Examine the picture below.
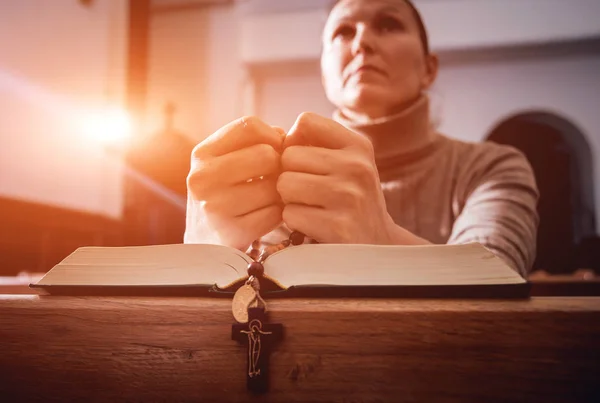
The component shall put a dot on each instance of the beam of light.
(106, 125)
(103, 124)
(54, 103)
(156, 188)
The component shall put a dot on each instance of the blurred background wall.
(58, 62)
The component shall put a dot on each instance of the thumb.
(283, 134)
(280, 131)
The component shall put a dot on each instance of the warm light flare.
(110, 126)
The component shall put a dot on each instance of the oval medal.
(242, 299)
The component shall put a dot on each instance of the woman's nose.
(364, 40)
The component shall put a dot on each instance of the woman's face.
(373, 61)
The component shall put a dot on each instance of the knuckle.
(367, 145)
(203, 149)
(199, 151)
(212, 208)
(349, 196)
(267, 155)
(283, 184)
(359, 168)
(195, 183)
(305, 119)
(249, 121)
(288, 156)
(189, 181)
(199, 172)
(201, 181)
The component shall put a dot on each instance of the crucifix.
(258, 335)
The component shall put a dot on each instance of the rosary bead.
(269, 250)
(297, 238)
(256, 269)
(254, 253)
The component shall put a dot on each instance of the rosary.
(249, 309)
(248, 295)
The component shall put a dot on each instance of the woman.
(378, 173)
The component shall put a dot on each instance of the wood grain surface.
(180, 349)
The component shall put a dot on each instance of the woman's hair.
(420, 24)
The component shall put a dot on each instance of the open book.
(305, 270)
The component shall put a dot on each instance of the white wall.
(459, 24)
(472, 99)
(195, 62)
(178, 70)
(56, 59)
(282, 94)
(228, 81)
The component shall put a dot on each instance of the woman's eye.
(344, 32)
(389, 24)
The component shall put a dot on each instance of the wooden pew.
(582, 282)
(344, 350)
(19, 284)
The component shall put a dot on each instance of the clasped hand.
(320, 179)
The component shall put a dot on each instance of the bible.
(309, 270)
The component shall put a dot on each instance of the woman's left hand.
(330, 185)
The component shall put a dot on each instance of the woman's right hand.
(232, 184)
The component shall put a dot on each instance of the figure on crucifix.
(254, 344)
(260, 337)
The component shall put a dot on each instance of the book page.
(182, 264)
(376, 265)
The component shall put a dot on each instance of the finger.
(236, 167)
(343, 164)
(318, 190)
(244, 198)
(313, 160)
(240, 232)
(315, 222)
(312, 129)
(259, 223)
(302, 188)
(239, 134)
(280, 130)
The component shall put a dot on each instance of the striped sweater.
(451, 191)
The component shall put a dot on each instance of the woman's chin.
(367, 97)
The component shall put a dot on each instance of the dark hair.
(416, 14)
